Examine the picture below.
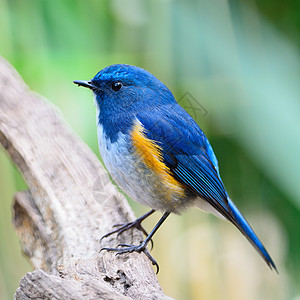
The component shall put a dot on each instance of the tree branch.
(61, 218)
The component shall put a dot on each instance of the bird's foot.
(134, 224)
(132, 248)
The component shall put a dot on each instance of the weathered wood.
(60, 219)
(40, 285)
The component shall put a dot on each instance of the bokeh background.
(239, 62)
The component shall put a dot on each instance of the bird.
(157, 154)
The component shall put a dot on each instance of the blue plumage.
(118, 110)
(128, 98)
(191, 158)
(246, 229)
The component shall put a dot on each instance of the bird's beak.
(86, 84)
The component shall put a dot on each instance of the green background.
(239, 61)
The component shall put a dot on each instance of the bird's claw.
(124, 227)
(132, 248)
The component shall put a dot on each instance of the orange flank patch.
(151, 155)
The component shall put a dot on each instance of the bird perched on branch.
(157, 153)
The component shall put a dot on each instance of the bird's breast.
(135, 163)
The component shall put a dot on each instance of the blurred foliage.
(240, 61)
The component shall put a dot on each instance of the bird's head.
(125, 88)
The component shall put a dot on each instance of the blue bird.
(157, 154)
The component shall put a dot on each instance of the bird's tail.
(240, 222)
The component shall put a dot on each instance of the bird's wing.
(187, 153)
(191, 160)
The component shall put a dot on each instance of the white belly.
(133, 177)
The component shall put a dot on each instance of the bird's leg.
(142, 247)
(136, 224)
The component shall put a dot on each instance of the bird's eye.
(116, 86)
